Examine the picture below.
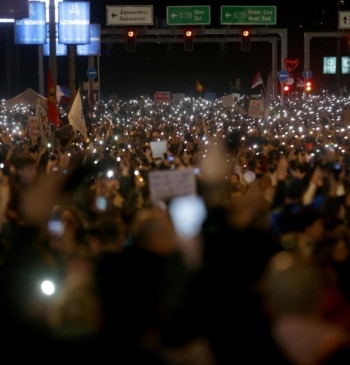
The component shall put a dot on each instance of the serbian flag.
(257, 80)
(199, 87)
(52, 110)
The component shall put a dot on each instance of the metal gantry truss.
(307, 39)
(276, 36)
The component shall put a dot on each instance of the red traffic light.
(245, 39)
(188, 33)
(286, 88)
(246, 33)
(188, 45)
(131, 34)
(131, 40)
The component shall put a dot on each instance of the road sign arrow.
(344, 20)
(114, 15)
(228, 15)
(173, 15)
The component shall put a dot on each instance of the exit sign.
(248, 15)
(188, 15)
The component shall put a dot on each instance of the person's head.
(290, 286)
(152, 229)
(311, 222)
(66, 228)
(106, 233)
(25, 168)
(336, 244)
(294, 190)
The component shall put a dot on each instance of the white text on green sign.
(188, 15)
(245, 15)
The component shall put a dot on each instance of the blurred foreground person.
(293, 291)
(142, 290)
(237, 244)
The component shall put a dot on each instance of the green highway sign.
(245, 15)
(188, 15)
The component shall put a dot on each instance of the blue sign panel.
(91, 72)
(32, 30)
(330, 65)
(14, 9)
(307, 74)
(94, 48)
(61, 49)
(74, 22)
(283, 75)
(345, 65)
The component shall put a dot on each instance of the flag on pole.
(257, 80)
(76, 115)
(52, 109)
(199, 87)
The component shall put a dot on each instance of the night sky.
(152, 68)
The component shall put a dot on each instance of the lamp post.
(52, 39)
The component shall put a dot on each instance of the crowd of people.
(245, 257)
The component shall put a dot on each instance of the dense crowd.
(179, 233)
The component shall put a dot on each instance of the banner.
(162, 96)
(256, 108)
(74, 22)
(94, 48)
(33, 124)
(43, 122)
(32, 30)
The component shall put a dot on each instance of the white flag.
(76, 115)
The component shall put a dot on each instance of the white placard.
(166, 184)
(159, 148)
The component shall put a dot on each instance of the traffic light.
(286, 89)
(188, 41)
(308, 86)
(130, 40)
(245, 40)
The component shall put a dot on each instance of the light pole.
(52, 39)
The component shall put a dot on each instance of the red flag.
(52, 110)
(257, 80)
(199, 87)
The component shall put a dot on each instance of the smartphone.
(188, 214)
(55, 227)
(101, 203)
